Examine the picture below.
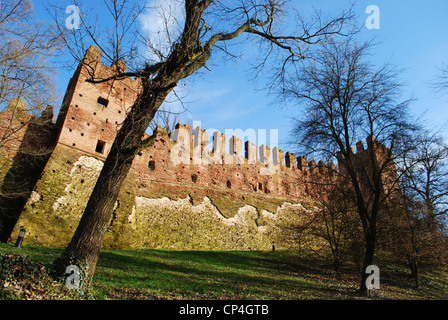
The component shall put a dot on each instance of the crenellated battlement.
(185, 158)
(239, 153)
(92, 114)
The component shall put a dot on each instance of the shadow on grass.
(237, 274)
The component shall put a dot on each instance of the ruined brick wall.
(188, 161)
(382, 158)
(92, 113)
(178, 194)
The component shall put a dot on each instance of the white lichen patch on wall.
(245, 216)
(83, 176)
(181, 224)
(34, 197)
(186, 222)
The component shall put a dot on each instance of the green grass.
(168, 274)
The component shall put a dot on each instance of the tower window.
(100, 145)
(102, 102)
(152, 165)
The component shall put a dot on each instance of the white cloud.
(162, 24)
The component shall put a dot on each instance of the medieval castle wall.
(91, 115)
(26, 143)
(179, 194)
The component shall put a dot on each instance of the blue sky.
(413, 35)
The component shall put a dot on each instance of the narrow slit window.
(100, 146)
(152, 165)
(102, 102)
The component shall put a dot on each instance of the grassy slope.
(167, 274)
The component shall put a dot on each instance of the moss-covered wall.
(152, 214)
(55, 207)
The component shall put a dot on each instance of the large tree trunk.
(83, 250)
(188, 55)
(368, 256)
(84, 247)
(367, 212)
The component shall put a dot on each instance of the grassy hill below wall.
(152, 214)
(169, 274)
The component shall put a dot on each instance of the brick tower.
(91, 114)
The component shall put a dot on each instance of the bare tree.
(26, 77)
(344, 101)
(337, 225)
(425, 169)
(205, 27)
(410, 235)
(26, 90)
(440, 83)
(165, 119)
(418, 234)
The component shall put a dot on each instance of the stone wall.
(178, 194)
(27, 145)
(13, 125)
(153, 213)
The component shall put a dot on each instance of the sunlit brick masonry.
(179, 194)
